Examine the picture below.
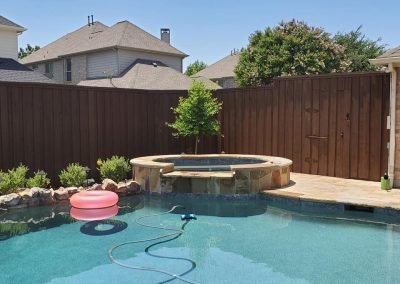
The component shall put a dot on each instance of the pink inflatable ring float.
(94, 214)
(94, 199)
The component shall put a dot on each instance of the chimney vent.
(166, 35)
(92, 19)
(88, 21)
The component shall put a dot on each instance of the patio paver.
(338, 190)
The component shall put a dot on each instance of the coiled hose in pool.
(176, 232)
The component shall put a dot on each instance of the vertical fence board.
(48, 126)
(364, 129)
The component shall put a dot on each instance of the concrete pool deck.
(337, 190)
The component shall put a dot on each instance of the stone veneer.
(160, 177)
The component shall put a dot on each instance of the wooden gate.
(327, 124)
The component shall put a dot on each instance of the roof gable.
(6, 22)
(223, 68)
(97, 37)
(395, 52)
(64, 45)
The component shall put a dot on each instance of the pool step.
(204, 168)
(201, 174)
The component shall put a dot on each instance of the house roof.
(12, 71)
(98, 37)
(390, 56)
(149, 75)
(9, 24)
(222, 68)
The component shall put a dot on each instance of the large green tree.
(358, 49)
(291, 48)
(195, 67)
(23, 52)
(195, 115)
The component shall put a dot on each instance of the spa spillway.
(224, 174)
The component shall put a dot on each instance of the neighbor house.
(222, 71)
(9, 32)
(95, 54)
(10, 69)
(149, 75)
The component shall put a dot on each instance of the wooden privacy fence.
(49, 126)
(329, 124)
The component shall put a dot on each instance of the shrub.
(13, 179)
(115, 168)
(40, 179)
(73, 175)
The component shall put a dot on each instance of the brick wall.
(79, 72)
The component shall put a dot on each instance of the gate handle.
(316, 137)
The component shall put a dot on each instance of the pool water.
(248, 241)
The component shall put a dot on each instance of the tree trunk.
(195, 148)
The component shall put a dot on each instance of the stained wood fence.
(329, 124)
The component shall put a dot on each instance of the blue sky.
(207, 30)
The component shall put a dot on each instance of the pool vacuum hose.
(175, 233)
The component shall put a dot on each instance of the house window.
(68, 73)
(48, 69)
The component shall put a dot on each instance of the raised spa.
(224, 174)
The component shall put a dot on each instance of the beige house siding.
(8, 44)
(102, 64)
(396, 181)
(127, 57)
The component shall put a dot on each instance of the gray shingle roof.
(12, 71)
(221, 69)
(6, 22)
(395, 52)
(149, 75)
(99, 36)
(11, 64)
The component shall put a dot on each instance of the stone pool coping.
(332, 190)
(269, 161)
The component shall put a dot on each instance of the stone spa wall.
(156, 176)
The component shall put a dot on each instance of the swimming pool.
(233, 241)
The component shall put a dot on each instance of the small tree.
(195, 67)
(23, 52)
(358, 49)
(195, 115)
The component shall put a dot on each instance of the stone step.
(201, 174)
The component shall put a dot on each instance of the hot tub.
(224, 174)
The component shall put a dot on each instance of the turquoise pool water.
(231, 242)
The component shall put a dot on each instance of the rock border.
(35, 196)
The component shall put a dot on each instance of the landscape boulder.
(133, 187)
(61, 194)
(71, 190)
(10, 200)
(110, 185)
(95, 186)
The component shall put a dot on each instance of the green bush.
(115, 168)
(13, 179)
(40, 179)
(73, 175)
